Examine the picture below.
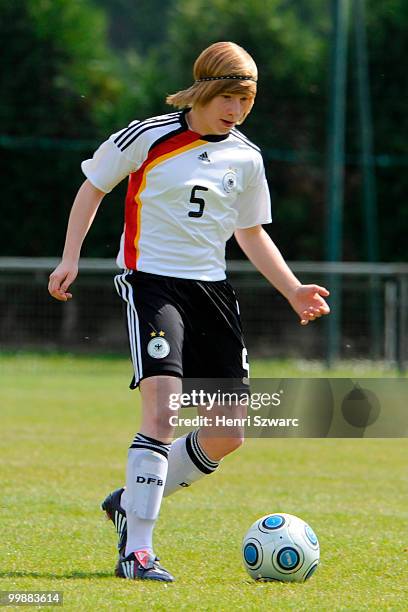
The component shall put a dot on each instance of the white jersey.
(187, 194)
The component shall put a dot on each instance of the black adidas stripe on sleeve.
(130, 134)
(240, 136)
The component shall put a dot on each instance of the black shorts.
(182, 327)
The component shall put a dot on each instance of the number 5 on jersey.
(199, 201)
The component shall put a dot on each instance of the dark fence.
(93, 321)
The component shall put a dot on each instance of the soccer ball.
(280, 547)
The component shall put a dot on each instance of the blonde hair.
(217, 60)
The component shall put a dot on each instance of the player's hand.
(309, 303)
(61, 279)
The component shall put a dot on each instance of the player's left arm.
(306, 300)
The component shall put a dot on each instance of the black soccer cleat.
(114, 511)
(142, 565)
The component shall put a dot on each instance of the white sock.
(145, 478)
(187, 463)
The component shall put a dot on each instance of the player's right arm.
(121, 154)
(81, 217)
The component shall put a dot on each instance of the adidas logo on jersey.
(204, 157)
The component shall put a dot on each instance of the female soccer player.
(194, 181)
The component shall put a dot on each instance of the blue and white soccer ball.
(280, 547)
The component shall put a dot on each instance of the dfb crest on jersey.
(229, 181)
(158, 348)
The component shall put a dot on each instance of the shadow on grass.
(67, 576)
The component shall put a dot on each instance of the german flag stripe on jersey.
(173, 144)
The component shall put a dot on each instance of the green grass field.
(66, 423)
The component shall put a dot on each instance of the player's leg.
(224, 369)
(198, 453)
(148, 461)
(213, 352)
(188, 463)
(219, 440)
(146, 476)
(155, 330)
